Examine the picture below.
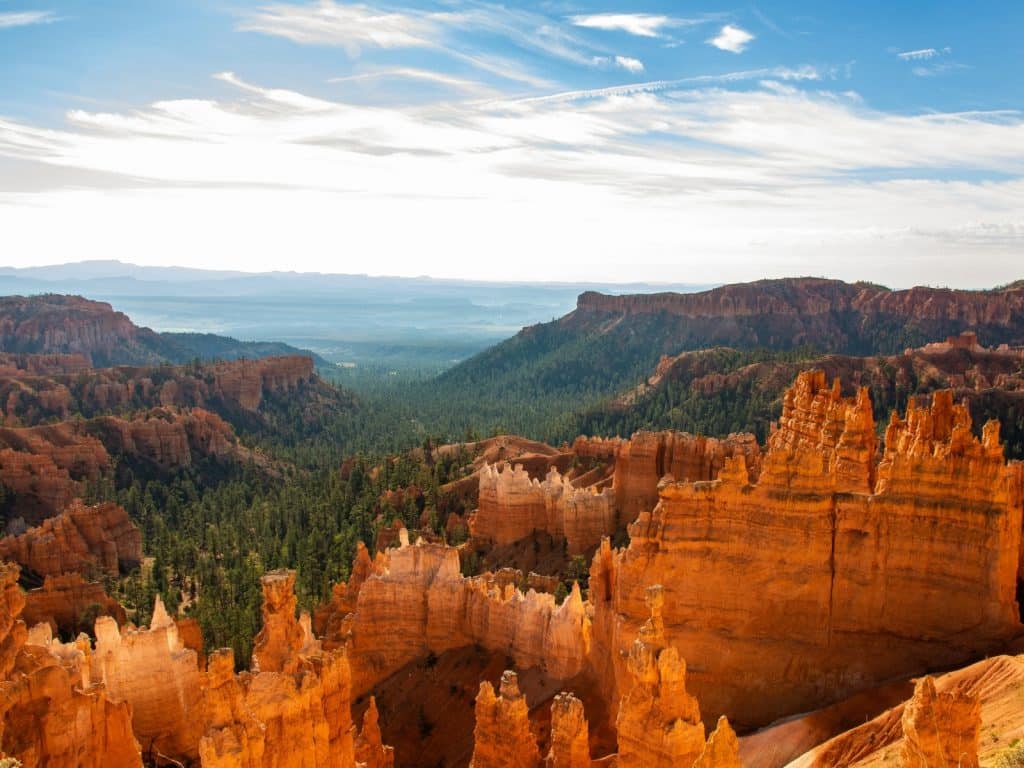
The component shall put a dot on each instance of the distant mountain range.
(393, 321)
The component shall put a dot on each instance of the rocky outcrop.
(854, 564)
(513, 506)
(153, 671)
(722, 749)
(46, 467)
(815, 297)
(53, 324)
(415, 601)
(83, 539)
(69, 605)
(502, 737)
(940, 729)
(659, 723)
(300, 718)
(276, 647)
(570, 742)
(371, 752)
(642, 461)
(51, 712)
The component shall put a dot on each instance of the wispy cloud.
(629, 64)
(938, 68)
(922, 53)
(348, 26)
(694, 166)
(640, 24)
(10, 19)
(731, 38)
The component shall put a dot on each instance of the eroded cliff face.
(48, 466)
(84, 538)
(415, 601)
(829, 574)
(69, 605)
(52, 714)
(37, 388)
(515, 505)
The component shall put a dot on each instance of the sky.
(604, 141)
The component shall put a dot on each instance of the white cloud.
(923, 53)
(758, 181)
(347, 26)
(12, 19)
(640, 24)
(731, 38)
(629, 64)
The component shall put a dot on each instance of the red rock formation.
(850, 561)
(14, 365)
(153, 671)
(659, 723)
(12, 629)
(570, 743)
(642, 461)
(295, 719)
(815, 297)
(940, 729)
(69, 604)
(370, 751)
(502, 737)
(70, 324)
(513, 506)
(722, 749)
(51, 714)
(245, 381)
(82, 539)
(416, 601)
(276, 647)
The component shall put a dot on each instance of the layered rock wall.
(416, 601)
(84, 538)
(828, 574)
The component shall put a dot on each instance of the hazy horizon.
(541, 142)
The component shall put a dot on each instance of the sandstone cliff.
(862, 572)
(69, 605)
(98, 538)
(52, 715)
(415, 601)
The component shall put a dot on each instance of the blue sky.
(615, 141)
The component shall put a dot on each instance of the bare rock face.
(157, 675)
(502, 737)
(69, 604)
(642, 461)
(12, 628)
(722, 749)
(51, 713)
(570, 742)
(659, 723)
(276, 647)
(371, 752)
(70, 325)
(293, 712)
(416, 601)
(513, 506)
(940, 730)
(829, 574)
(245, 381)
(83, 538)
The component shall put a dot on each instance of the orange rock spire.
(502, 737)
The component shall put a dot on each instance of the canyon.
(730, 583)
